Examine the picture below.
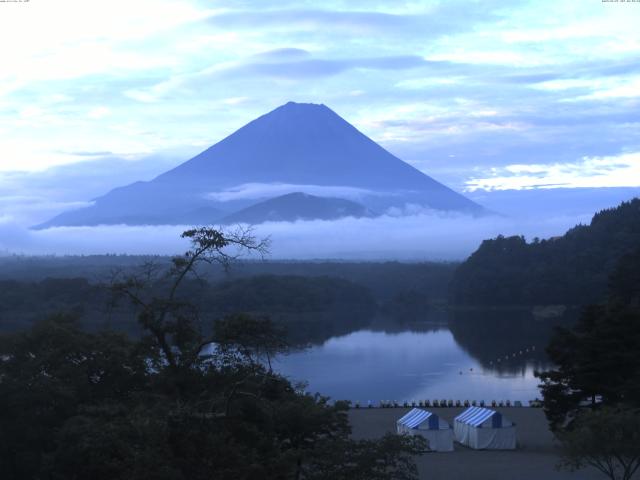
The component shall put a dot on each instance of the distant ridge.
(297, 144)
(297, 206)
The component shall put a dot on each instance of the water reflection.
(507, 341)
(429, 362)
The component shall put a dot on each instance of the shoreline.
(535, 457)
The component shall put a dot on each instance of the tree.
(172, 321)
(592, 396)
(605, 439)
(389, 457)
(177, 403)
(596, 361)
(47, 375)
(571, 269)
(253, 339)
(596, 364)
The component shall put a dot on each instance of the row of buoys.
(445, 403)
(513, 355)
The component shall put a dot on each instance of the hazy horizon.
(420, 236)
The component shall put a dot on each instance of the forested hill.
(572, 269)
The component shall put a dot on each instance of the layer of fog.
(425, 236)
(252, 191)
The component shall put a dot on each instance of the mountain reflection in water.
(476, 356)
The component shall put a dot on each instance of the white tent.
(481, 428)
(435, 430)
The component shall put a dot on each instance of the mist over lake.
(417, 236)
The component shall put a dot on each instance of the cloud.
(540, 203)
(324, 67)
(593, 88)
(408, 235)
(471, 56)
(628, 88)
(310, 19)
(27, 210)
(50, 44)
(252, 191)
(432, 18)
(98, 153)
(27, 198)
(282, 64)
(282, 54)
(614, 171)
(98, 112)
(506, 82)
(424, 236)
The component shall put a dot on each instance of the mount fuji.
(297, 148)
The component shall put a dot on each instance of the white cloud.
(601, 88)
(568, 83)
(24, 208)
(267, 190)
(70, 38)
(623, 88)
(488, 57)
(425, 82)
(424, 236)
(576, 30)
(165, 71)
(612, 171)
(19, 154)
(235, 100)
(425, 122)
(98, 112)
(29, 198)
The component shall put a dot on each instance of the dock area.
(535, 458)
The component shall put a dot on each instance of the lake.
(471, 358)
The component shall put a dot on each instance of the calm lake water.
(476, 361)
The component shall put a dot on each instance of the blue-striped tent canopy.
(482, 428)
(428, 425)
(476, 416)
(417, 417)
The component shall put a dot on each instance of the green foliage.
(253, 339)
(309, 307)
(174, 404)
(20, 302)
(624, 282)
(47, 375)
(596, 360)
(389, 457)
(407, 305)
(290, 294)
(606, 439)
(592, 396)
(313, 300)
(108, 415)
(384, 279)
(572, 269)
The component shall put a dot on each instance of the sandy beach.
(535, 458)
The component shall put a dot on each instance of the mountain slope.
(297, 206)
(572, 269)
(300, 145)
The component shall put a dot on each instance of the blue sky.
(480, 95)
